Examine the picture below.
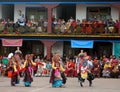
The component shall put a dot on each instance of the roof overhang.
(59, 1)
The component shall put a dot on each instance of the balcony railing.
(61, 29)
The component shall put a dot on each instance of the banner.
(12, 42)
(82, 43)
(116, 49)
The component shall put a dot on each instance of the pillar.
(48, 45)
(50, 8)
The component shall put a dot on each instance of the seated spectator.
(89, 28)
(57, 29)
(101, 27)
(110, 26)
(63, 28)
(29, 23)
(45, 23)
(116, 26)
(115, 72)
(68, 24)
(83, 26)
(114, 61)
(96, 67)
(3, 22)
(106, 69)
(39, 29)
(74, 24)
(22, 20)
(95, 26)
(32, 29)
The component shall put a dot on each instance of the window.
(100, 13)
(36, 13)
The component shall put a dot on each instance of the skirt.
(27, 84)
(57, 83)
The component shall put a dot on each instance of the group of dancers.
(58, 72)
(84, 66)
(17, 68)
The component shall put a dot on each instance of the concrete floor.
(42, 84)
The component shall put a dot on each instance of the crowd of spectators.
(106, 67)
(72, 26)
(93, 26)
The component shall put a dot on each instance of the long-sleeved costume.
(15, 78)
(28, 72)
(57, 74)
(85, 72)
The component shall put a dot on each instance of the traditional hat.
(81, 53)
(10, 55)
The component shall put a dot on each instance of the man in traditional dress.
(85, 69)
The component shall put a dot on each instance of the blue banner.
(82, 43)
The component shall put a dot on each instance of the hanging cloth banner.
(116, 49)
(82, 43)
(12, 42)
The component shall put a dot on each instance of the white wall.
(18, 7)
(54, 12)
(114, 13)
(81, 11)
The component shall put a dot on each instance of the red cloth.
(39, 63)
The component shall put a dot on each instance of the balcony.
(84, 30)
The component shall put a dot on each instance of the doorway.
(68, 11)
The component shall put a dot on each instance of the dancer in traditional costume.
(14, 68)
(85, 70)
(28, 71)
(57, 77)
